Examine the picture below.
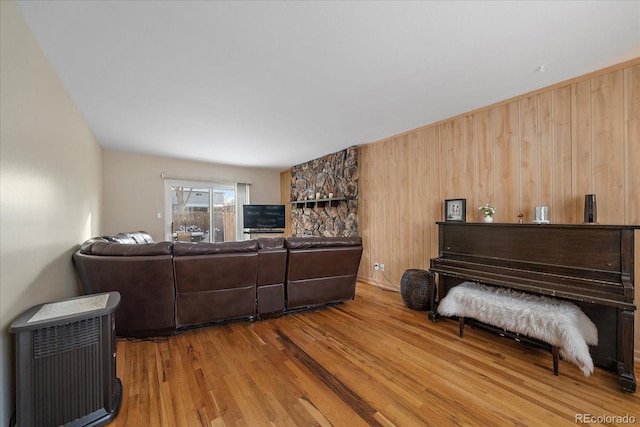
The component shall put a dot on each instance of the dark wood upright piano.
(590, 265)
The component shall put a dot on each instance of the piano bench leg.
(461, 331)
(555, 351)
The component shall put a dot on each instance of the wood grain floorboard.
(367, 362)
(346, 394)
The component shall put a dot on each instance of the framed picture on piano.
(455, 210)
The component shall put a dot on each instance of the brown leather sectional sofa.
(167, 286)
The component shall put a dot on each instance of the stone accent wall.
(334, 173)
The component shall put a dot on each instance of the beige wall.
(134, 188)
(547, 148)
(50, 186)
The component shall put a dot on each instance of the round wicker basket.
(415, 288)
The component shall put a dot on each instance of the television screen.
(263, 216)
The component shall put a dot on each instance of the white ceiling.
(277, 83)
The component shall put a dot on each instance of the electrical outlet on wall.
(376, 266)
(382, 267)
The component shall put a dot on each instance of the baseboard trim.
(366, 280)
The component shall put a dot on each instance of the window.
(203, 211)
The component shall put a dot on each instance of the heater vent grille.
(66, 360)
(58, 339)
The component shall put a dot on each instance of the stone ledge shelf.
(333, 202)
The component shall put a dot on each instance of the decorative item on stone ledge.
(415, 288)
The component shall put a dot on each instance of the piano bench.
(555, 350)
(558, 323)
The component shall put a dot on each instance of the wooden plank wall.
(545, 148)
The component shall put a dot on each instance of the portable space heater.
(66, 363)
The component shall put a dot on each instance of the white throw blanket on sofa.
(554, 321)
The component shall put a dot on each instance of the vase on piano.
(487, 211)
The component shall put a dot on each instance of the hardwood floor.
(370, 361)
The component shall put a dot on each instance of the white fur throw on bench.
(554, 321)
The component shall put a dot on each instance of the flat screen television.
(263, 217)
